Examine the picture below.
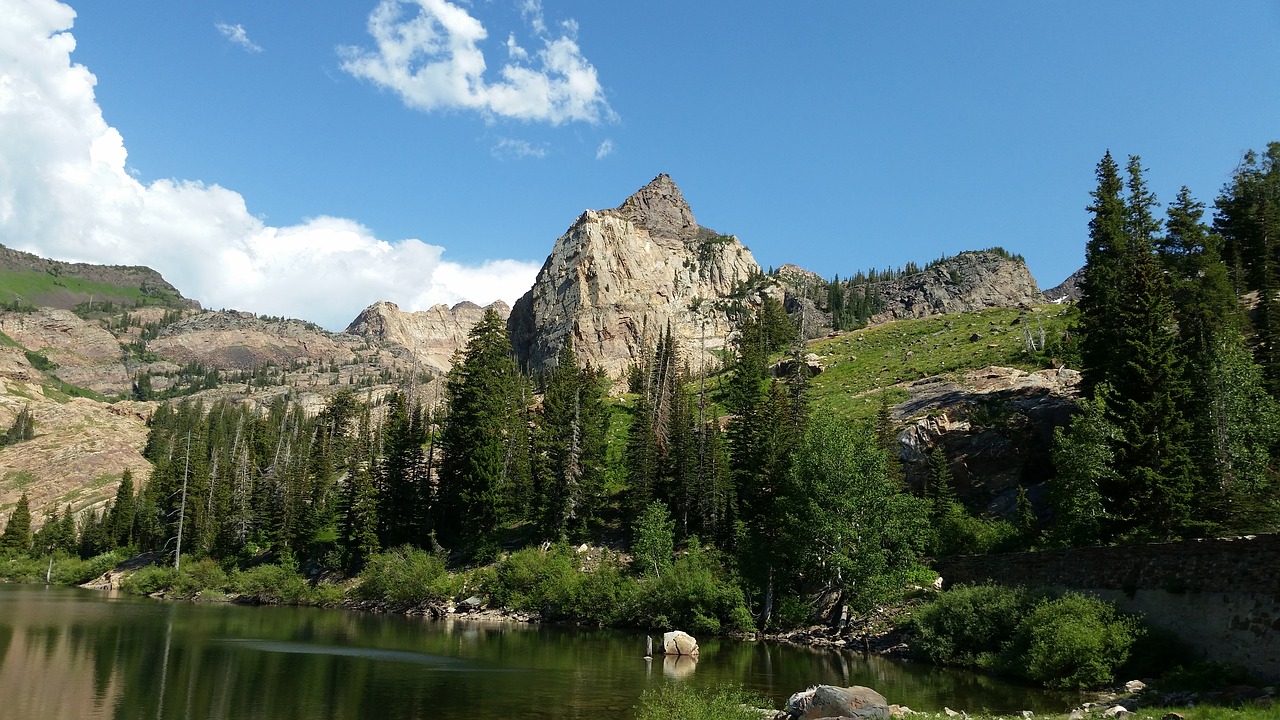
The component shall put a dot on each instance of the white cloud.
(66, 193)
(433, 61)
(605, 149)
(512, 148)
(237, 35)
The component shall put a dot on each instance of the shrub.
(696, 595)
(1074, 641)
(535, 581)
(407, 575)
(969, 625)
(686, 703)
(604, 596)
(150, 579)
(200, 577)
(271, 584)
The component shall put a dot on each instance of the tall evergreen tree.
(570, 444)
(17, 531)
(1105, 259)
(482, 438)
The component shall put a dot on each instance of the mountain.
(91, 350)
(617, 279)
(431, 336)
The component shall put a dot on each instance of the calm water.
(71, 653)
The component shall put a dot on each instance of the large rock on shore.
(829, 701)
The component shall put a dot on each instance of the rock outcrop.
(995, 426)
(84, 352)
(431, 336)
(618, 278)
(230, 340)
(1067, 290)
(969, 281)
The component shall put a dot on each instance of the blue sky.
(282, 158)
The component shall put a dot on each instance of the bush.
(150, 579)
(1074, 641)
(686, 703)
(696, 595)
(535, 581)
(271, 584)
(408, 576)
(969, 625)
(200, 577)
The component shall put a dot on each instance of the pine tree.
(482, 437)
(570, 441)
(119, 521)
(360, 504)
(1105, 258)
(17, 531)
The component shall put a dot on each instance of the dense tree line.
(1177, 332)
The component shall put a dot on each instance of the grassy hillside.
(863, 364)
(28, 288)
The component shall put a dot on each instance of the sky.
(308, 159)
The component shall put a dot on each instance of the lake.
(73, 653)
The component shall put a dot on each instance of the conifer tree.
(482, 437)
(1105, 258)
(17, 531)
(119, 521)
(570, 444)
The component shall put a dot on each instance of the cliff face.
(431, 336)
(617, 278)
(968, 281)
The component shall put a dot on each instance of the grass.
(676, 701)
(32, 285)
(863, 364)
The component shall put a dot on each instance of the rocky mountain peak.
(660, 208)
(618, 278)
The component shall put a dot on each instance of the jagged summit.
(617, 278)
(660, 208)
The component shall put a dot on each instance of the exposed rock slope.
(617, 278)
(968, 281)
(995, 426)
(431, 336)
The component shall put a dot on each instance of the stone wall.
(1221, 595)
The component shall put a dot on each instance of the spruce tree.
(1106, 254)
(17, 531)
(485, 426)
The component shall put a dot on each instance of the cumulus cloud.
(65, 192)
(237, 35)
(428, 52)
(605, 149)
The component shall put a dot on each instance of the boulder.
(828, 701)
(678, 642)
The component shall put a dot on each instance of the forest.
(1178, 339)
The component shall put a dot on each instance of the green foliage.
(17, 530)
(150, 580)
(278, 584)
(407, 576)
(847, 524)
(689, 703)
(201, 577)
(698, 595)
(1074, 641)
(969, 624)
(23, 428)
(654, 540)
(40, 361)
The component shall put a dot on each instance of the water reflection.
(68, 653)
(678, 666)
